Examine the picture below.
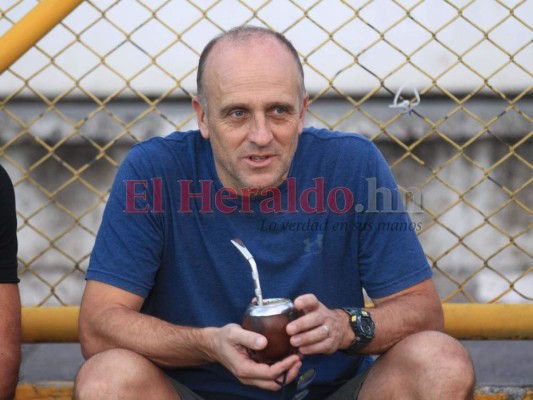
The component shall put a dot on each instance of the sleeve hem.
(119, 282)
(410, 280)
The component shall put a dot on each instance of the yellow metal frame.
(50, 324)
(489, 321)
(463, 321)
(31, 28)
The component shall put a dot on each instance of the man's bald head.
(241, 35)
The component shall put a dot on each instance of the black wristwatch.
(362, 326)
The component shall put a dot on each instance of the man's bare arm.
(324, 331)
(110, 319)
(10, 337)
(412, 310)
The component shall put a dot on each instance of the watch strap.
(363, 328)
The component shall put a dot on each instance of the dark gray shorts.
(349, 391)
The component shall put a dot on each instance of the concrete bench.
(463, 321)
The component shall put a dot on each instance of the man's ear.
(303, 111)
(200, 117)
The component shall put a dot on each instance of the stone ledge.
(63, 391)
(504, 393)
(44, 390)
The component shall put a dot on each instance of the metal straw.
(255, 274)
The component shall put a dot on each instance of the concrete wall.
(72, 216)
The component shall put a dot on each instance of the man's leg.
(426, 365)
(122, 374)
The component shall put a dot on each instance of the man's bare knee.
(456, 367)
(121, 374)
(441, 363)
(109, 374)
(424, 365)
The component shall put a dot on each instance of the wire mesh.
(458, 75)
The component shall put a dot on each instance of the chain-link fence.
(442, 87)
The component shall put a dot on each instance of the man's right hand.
(229, 346)
(110, 319)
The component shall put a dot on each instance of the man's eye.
(280, 110)
(237, 113)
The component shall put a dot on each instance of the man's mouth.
(259, 161)
(258, 158)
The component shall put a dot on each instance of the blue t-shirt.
(334, 227)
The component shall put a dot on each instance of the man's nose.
(260, 132)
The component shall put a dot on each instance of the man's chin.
(260, 188)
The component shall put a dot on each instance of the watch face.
(365, 326)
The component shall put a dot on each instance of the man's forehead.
(249, 39)
(240, 68)
(256, 44)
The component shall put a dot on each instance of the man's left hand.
(320, 330)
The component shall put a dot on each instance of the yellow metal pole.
(489, 321)
(463, 321)
(31, 28)
(50, 324)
